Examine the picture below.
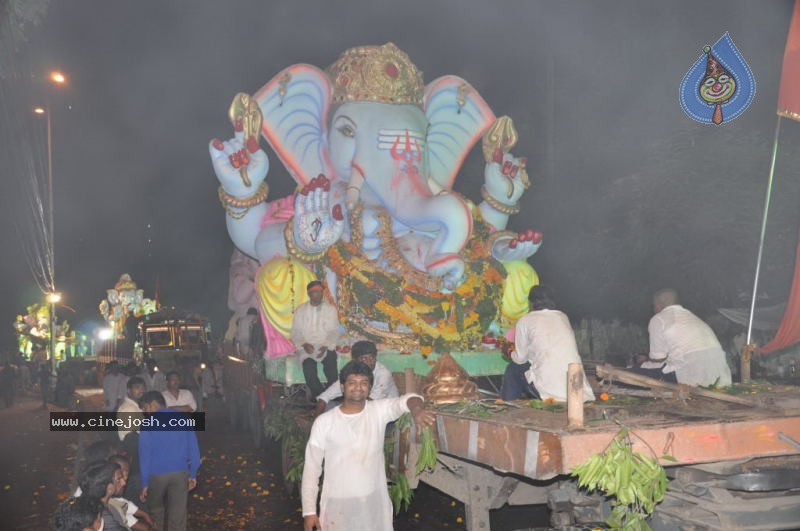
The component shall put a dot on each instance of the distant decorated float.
(123, 305)
(33, 336)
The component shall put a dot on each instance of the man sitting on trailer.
(350, 441)
(384, 386)
(544, 347)
(315, 331)
(683, 348)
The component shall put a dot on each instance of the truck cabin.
(171, 342)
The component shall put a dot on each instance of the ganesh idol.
(375, 153)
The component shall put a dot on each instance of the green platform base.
(287, 370)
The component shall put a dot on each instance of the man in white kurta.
(544, 346)
(154, 380)
(383, 383)
(681, 343)
(114, 387)
(315, 331)
(349, 439)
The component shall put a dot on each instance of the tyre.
(286, 464)
(256, 419)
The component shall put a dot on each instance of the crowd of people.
(157, 469)
(184, 388)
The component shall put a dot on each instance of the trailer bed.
(538, 444)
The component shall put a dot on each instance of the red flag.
(789, 332)
(789, 92)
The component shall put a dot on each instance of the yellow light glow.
(38, 110)
(53, 298)
(57, 77)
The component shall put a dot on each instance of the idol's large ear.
(295, 106)
(458, 117)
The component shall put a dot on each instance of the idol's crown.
(383, 74)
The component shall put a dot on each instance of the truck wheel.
(255, 418)
(242, 421)
(232, 410)
(238, 413)
(286, 464)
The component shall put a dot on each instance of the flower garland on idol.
(415, 313)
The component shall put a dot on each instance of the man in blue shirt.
(168, 461)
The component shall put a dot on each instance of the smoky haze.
(630, 193)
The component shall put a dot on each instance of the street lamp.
(59, 79)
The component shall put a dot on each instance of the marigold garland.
(409, 302)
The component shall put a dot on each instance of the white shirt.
(689, 347)
(185, 398)
(546, 340)
(354, 493)
(128, 406)
(244, 331)
(317, 325)
(130, 508)
(383, 386)
(157, 382)
(114, 389)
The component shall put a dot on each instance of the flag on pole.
(789, 107)
(789, 331)
(789, 92)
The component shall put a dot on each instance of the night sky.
(630, 193)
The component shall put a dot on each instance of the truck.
(171, 335)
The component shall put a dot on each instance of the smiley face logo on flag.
(719, 86)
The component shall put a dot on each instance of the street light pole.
(53, 297)
(53, 318)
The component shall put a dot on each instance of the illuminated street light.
(38, 110)
(53, 298)
(105, 334)
(57, 77)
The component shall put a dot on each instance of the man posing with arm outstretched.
(350, 440)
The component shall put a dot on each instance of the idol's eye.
(723, 78)
(710, 81)
(347, 130)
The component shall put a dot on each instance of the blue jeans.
(515, 385)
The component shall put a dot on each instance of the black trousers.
(130, 448)
(329, 367)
